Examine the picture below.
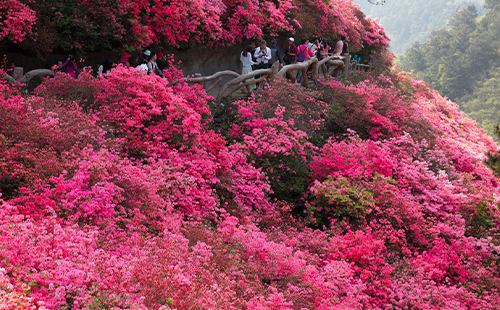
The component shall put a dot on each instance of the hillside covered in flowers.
(370, 191)
(47, 25)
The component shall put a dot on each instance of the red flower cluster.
(16, 20)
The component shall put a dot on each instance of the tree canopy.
(462, 62)
(409, 21)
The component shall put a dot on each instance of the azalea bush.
(77, 25)
(362, 193)
(17, 20)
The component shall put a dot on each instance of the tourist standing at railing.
(275, 53)
(303, 54)
(290, 52)
(323, 52)
(247, 62)
(324, 49)
(254, 59)
(345, 47)
(313, 46)
(263, 55)
(153, 66)
(339, 46)
(70, 66)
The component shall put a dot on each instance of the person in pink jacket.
(303, 54)
(125, 59)
(70, 66)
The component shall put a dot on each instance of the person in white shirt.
(263, 55)
(247, 62)
(143, 62)
(313, 46)
(105, 68)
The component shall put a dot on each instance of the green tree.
(463, 61)
(485, 105)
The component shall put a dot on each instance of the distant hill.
(409, 21)
(463, 63)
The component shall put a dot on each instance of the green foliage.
(340, 200)
(407, 22)
(493, 160)
(484, 106)
(288, 176)
(462, 62)
(86, 27)
(478, 220)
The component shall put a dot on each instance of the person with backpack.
(290, 52)
(303, 54)
(153, 66)
(275, 53)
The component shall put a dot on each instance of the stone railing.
(237, 82)
(325, 67)
(19, 77)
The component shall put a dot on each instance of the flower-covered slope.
(118, 192)
(134, 24)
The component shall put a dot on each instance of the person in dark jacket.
(290, 52)
(275, 53)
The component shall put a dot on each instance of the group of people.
(252, 58)
(148, 62)
(263, 57)
(69, 66)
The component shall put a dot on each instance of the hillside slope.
(366, 192)
(462, 62)
(408, 22)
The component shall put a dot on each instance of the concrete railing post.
(347, 62)
(18, 73)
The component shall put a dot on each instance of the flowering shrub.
(365, 194)
(12, 298)
(137, 24)
(16, 20)
(277, 148)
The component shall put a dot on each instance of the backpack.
(302, 55)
